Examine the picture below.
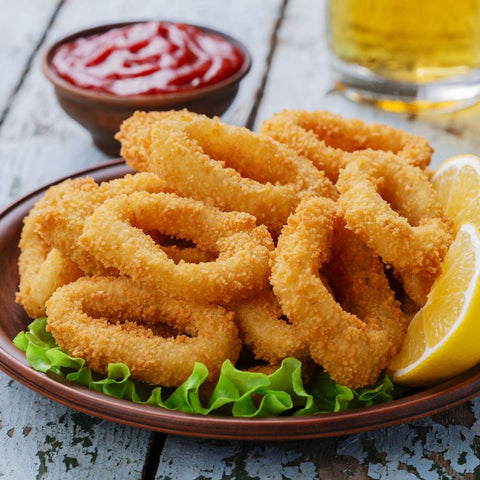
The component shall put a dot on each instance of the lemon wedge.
(457, 182)
(443, 338)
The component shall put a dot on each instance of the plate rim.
(418, 405)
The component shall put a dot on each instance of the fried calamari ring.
(352, 350)
(41, 268)
(49, 260)
(56, 270)
(114, 234)
(357, 278)
(265, 332)
(41, 276)
(60, 218)
(109, 320)
(331, 141)
(395, 210)
(226, 166)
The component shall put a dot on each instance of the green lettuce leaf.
(237, 393)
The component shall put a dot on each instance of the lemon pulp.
(457, 182)
(443, 337)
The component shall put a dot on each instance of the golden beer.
(406, 41)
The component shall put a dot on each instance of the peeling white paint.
(281, 464)
(418, 446)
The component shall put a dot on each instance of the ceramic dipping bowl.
(102, 113)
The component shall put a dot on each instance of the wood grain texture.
(18, 40)
(40, 439)
(440, 447)
(421, 449)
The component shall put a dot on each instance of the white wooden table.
(40, 439)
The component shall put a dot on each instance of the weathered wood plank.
(443, 446)
(222, 460)
(439, 447)
(44, 440)
(19, 39)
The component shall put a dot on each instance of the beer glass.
(406, 55)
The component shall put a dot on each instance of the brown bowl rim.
(169, 98)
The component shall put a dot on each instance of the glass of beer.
(406, 55)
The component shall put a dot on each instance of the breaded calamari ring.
(55, 271)
(114, 234)
(226, 166)
(41, 268)
(356, 277)
(60, 219)
(331, 141)
(110, 319)
(352, 350)
(395, 210)
(263, 330)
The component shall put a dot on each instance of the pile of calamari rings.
(316, 238)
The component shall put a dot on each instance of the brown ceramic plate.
(13, 362)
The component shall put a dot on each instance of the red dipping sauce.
(147, 58)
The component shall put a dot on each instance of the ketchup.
(147, 58)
